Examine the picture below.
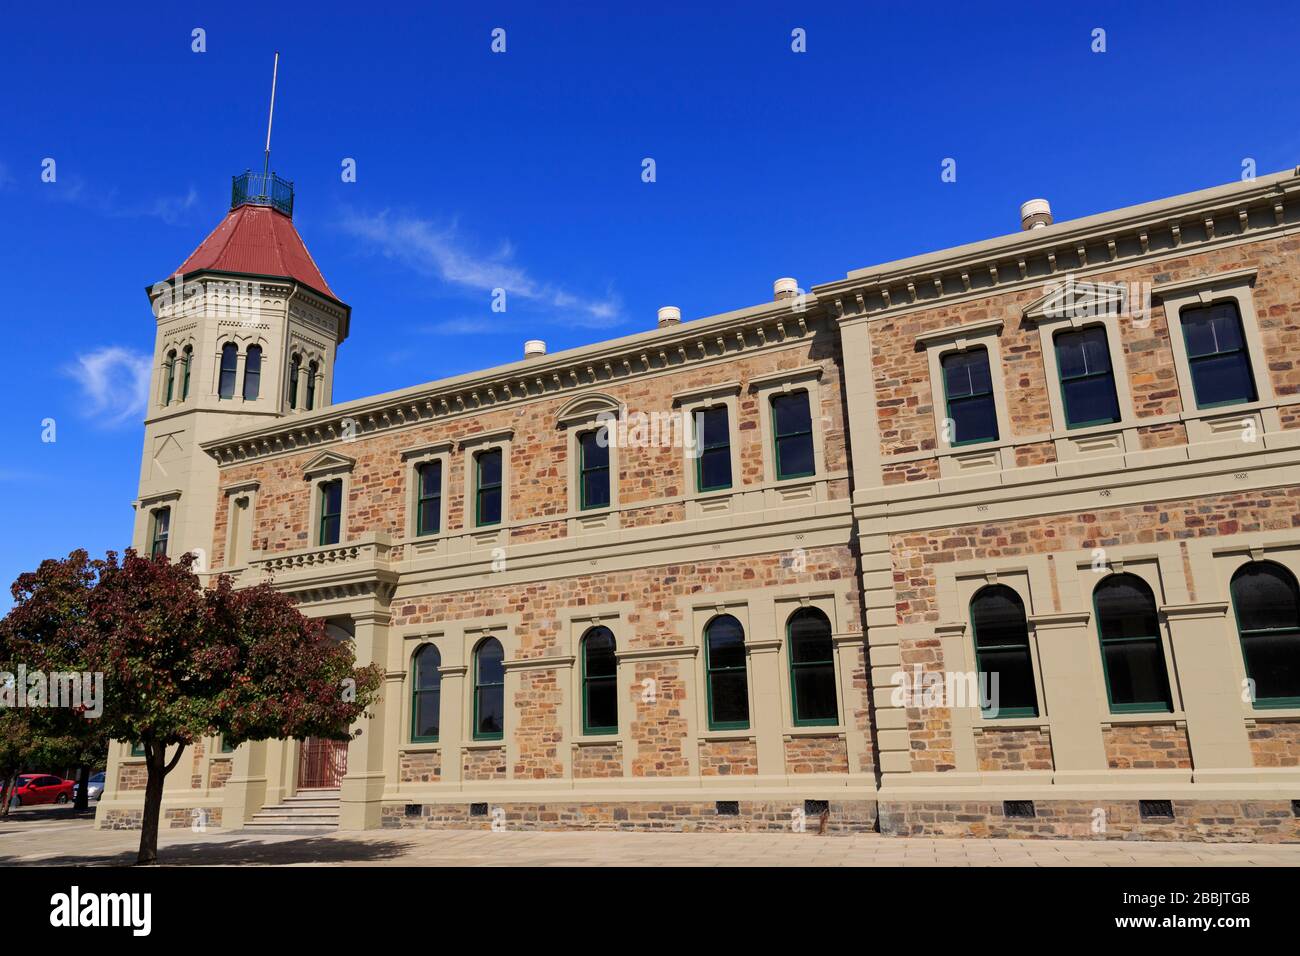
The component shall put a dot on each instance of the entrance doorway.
(322, 764)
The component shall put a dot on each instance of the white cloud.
(114, 383)
(438, 251)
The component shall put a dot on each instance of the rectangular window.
(162, 520)
(331, 511)
(428, 505)
(968, 389)
(137, 749)
(487, 491)
(1087, 379)
(1217, 356)
(713, 440)
(226, 746)
(593, 469)
(792, 430)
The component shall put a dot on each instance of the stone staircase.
(305, 810)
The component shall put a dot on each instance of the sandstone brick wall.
(536, 725)
(219, 772)
(540, 469)
(132, 776)
(420, 766)
(728, 758)
(484, 764)
(597, 760)
(196, 764)
(1275, 743)
(1147, 747)
(1027, 749)
(816, 755)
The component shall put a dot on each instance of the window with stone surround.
(428, 497)
(187, 359)
(726, 674)
(599, 676)
(169, 377)
(487, 487)
(1001, 632)
(295, 367)
(331, 511)
(160, 521)
(1087, 378)
(968, 397)
(487, 481)
(489, 690)
(1132, 650)
(1217, 357)
(229, 369)
(791, 423)
(711, 454)
(812, 669)
(792, 436)
(252, 373)
(426, 694)
(1266, 602)
(330, 476)
(593, 469)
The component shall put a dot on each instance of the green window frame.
(187, 359)
(171, 376)
(814, 701)
(426, 695)
(252, 373)
(311, 385)
(1215, 340)
(137, 748)
(1001, 633)
(489, 690)
(226, 746)
(713, 448)
(229, 369)
(792, 436)
(428, 497)
(599, 682)
(593, 469)
(726, 673)
(969, 400)
(1087, 379)
(160, 520)
(1268, 629)
(489, 466)
(330, 527)
(295, 369)
(1128, 627)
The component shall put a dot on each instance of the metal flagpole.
(266, 165)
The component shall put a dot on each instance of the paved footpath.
(73, 841)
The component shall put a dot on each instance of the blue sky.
(523, 169)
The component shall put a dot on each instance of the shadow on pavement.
(237, 851)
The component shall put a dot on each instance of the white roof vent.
(1035, 214)
(534, 348)
(669, 315)
(786, 288)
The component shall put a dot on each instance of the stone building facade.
(1000, 540)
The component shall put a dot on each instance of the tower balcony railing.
(256, 189)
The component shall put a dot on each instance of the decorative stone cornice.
(703, 340)
(1180, 225)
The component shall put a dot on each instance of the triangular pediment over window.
(1079, 300)
(327, 462)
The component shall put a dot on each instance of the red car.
(33, 788)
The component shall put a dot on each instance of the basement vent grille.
(1018, 809)
(478, 810)
(728, 808)
(1295, 808)
(1156, 809)
(414, 809)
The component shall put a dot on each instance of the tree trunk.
(6, 789)
(159, 767)
(83, 787)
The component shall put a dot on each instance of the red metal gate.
(322, 763)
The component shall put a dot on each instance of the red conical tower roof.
(257, 240)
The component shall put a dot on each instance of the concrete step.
(306, 809)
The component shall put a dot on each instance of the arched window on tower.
(229, 365)
(252, 372)
(187, 357)
(169, 373)
(295, 365)
(311, 386)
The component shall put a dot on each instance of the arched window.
(295, 364)
(426, 694)
(311, 385)
(489, 691)
(1002, 652)
(812, 668)
(1267, 605)
(599, 682)
(252, 372)
(727, 679)
(169, 371)
(1132, 652)
(187, 357)
(229, 365)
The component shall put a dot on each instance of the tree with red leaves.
(181, 661)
